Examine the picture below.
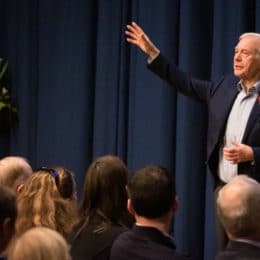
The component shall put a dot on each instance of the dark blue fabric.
(82, 91)
(144, 243)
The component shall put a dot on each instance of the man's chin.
(237, 74)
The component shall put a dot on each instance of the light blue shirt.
(235, 128)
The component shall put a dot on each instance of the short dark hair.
(152, 191)
(8, 207)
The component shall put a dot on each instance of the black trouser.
(222, 238)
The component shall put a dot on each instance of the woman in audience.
(48, 200)
(103, 211)
(39, 243)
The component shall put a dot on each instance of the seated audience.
(238, 206)
(103, 211)
(48, 200)
(152, 201)
(14, 172)
(39, 243)
(8, 213)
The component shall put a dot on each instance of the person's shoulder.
(239, 250)
(123, 239)
(225, 78)
(125, 234)
(231, 79)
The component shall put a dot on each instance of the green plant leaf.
(2, 72)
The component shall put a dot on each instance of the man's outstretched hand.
(136, 35)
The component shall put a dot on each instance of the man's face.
(246, 62)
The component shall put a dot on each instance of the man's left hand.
(238, 153)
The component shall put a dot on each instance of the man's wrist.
(153, 53)
(153, 56)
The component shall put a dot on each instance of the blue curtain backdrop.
(83, 92)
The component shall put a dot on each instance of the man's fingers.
(131, 29)
(130, 34)
(131, 40)
(137, 28)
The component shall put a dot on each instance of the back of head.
(238, 207)
(104, 188)
(14, 171)
(66, 184)
(8, 213)
(39, 243)
(41, 204)
(152, 191)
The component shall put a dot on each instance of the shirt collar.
(255, 89)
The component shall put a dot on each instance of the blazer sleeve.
(183, 82)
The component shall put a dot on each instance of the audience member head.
(104, 192)
(39, 243)
(14, 172)
(66, 184)
(8, 213)
(41, 202)
(238, 206)
(152, 193)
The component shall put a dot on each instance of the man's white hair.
(251, 34)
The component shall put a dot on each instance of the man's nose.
(237, 56)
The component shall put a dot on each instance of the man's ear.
(130, 207)
(19, 188)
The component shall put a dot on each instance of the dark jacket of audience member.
(103, 209)
(152, 201)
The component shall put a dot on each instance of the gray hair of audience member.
(14, 172)
(8, 214)
(152, 191)
(238, 207)
(39, 243)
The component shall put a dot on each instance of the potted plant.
(8, 111)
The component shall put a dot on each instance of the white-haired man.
(233, 103)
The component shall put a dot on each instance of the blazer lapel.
(255, 114)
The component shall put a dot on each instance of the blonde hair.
(39, 243)
(41, 204)
(14, 170)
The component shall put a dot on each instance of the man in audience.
(8, 213)
(238, 206)
(152, 201)
(14, 172)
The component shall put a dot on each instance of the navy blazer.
(236, 250)
(219, 97)
(144, 243)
